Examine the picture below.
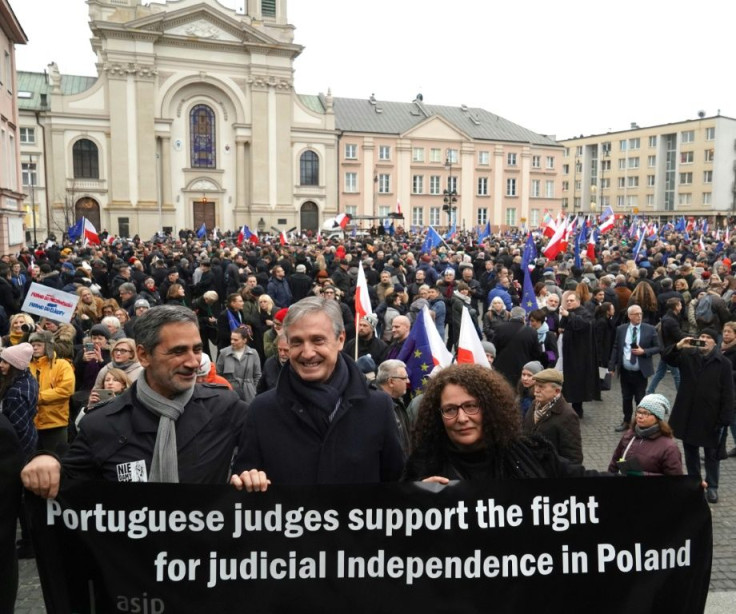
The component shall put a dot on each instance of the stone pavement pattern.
(599, 441)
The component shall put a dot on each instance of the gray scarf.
(165, 463)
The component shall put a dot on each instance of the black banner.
(584, 545)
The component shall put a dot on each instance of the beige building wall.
(684, 168)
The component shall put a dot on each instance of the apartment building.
(684, 168)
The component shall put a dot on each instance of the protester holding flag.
(229, 319)
(469, 428)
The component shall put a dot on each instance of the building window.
(434, 184)
(623, 145)
(707, 176)
(634, 162)
(687, 157)
(550, 162)
(634, 143)
(28, 173)
(536, 161)
(622, 182)
(606, 165)
(707, 198)
(650, 181)
(709, 155)
(686, 178)
(605, 182)
(351, 182)
(622, 164)
(511, 187)
(536, 188)
(687, 136)
(482, 216)
(85, 160)
(533, 218)
(452, 184)
(384, 183)
(511, 159)
(452, 156)
(383, 211)
(578, 185)
(202, 137)
(434, 216)
(417, 184)
(417, 216)
(351, 151)
(650, 200)
(309, 168)
(633, 182)
(268, 8)
(27, 136)
(565, 186)
(651, 161)
(417, 154)
(549, 188)
(685, 199)
(482, 186)
(351, 210)
(565, 169)
(710, 133)
(384, 152)
(435, 155)
(632, 201)
(653, 141)
(484, 158)
(511, 216)
(8, 72)
(620, 202)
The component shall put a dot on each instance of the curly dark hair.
(501, 417)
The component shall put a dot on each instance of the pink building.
(12, 231)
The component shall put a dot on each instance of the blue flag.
(581, 237)
(484, 233)
(528, 298)
(75, 231)
(639, 244)
(529, 254)
(681, 225)
(391, 230)
(451, 233)
(432, 240)
(202, 232)
(416, 353)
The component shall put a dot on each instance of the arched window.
(202, 137)
(309, 169)
(86, 160)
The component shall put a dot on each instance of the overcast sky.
(566, 68)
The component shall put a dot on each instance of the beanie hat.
(711, 332)
(141, 302)
(18, 356)
(656, 404)
(367, 365)
(489, 348)
(101, 330)
(281, 314)
(533, 367)
(372, 319)
(204, 366)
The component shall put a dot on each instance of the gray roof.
(37, 83)
(395, 118)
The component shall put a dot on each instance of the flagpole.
(357, 320)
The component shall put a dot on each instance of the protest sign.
(50, 303)
(578, 545)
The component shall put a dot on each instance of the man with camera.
(704, 402)
(633, 347)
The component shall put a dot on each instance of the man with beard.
(367, 341)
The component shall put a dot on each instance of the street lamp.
(449, 195)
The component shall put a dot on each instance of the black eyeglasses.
(469, 407)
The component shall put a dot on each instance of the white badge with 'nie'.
(134, 471)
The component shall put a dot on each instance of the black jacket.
(121, 432)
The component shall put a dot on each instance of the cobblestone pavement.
(599, 440)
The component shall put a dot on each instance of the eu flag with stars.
(75, 231)
(202, 232)
(529, 255)
(416, 354)
(432, 240)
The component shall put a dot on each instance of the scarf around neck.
(646, 433)
(542, 332)
(541, 412)
(165, 461)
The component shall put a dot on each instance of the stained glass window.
(309, 169)
(202, 130)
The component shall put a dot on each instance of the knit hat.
(18, 356)
(552, 376)
(141, 302)
(372, 319)
(711, 332)
(656, 404)
(533, 367)
(300, 268)
(257, 291)
(101, 330)
(367, 365)
(204, 366)
(281, 314)
(489, 348)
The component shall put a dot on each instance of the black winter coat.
(579, 358)
(516, 345)
(704, 401)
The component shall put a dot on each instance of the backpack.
(704, 310)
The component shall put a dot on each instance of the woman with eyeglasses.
(469, 428)
(124, 357)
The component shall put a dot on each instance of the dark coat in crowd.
(516, 344)
(561, 427)
(579, 357)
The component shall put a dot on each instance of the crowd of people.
(293, 389)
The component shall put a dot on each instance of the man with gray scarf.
(163, 428)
